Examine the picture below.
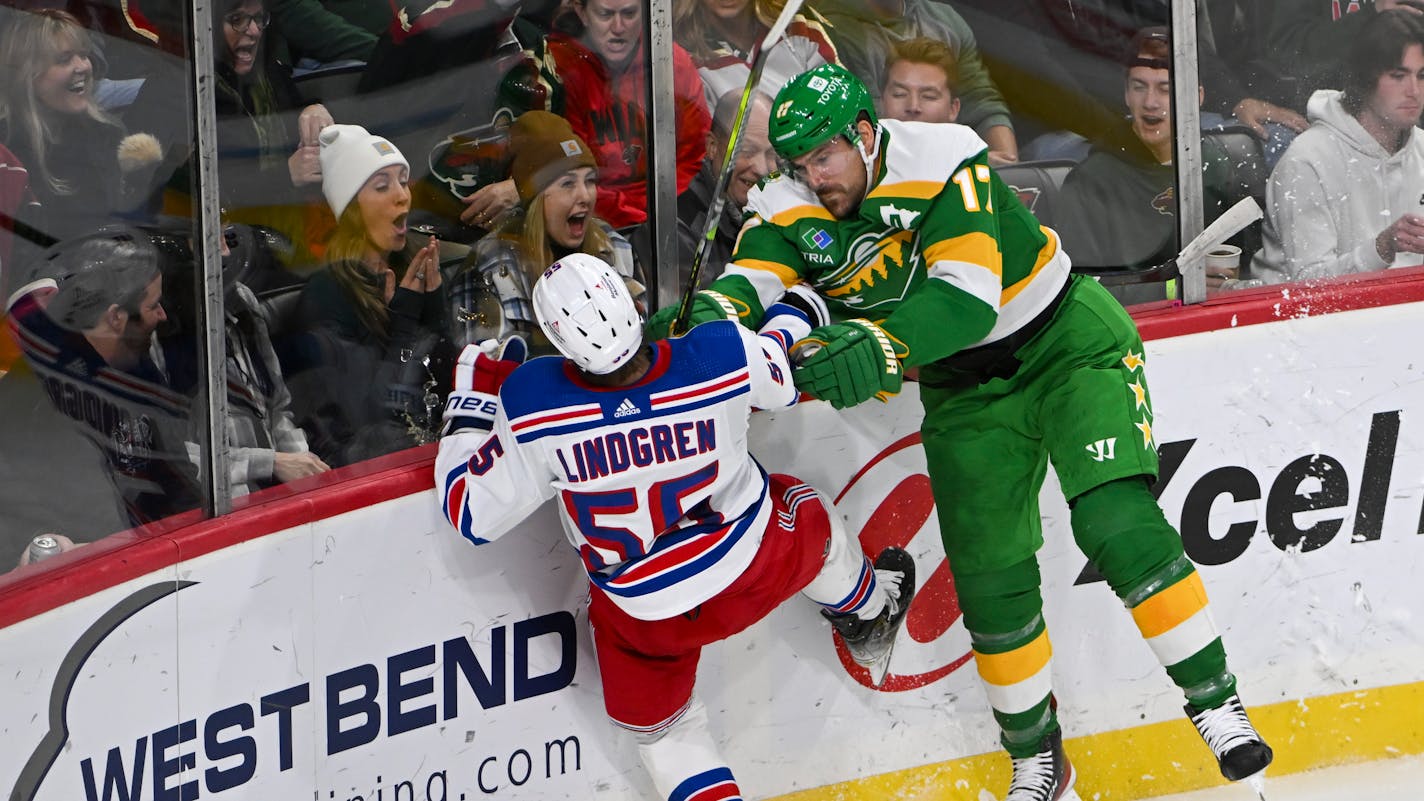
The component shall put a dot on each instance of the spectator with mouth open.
(372, 314)
(556, 179)
(268, 157)
(50, 121)
(1118, 209)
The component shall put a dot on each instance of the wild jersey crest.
(880, 267)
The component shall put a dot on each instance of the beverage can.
(43, 547)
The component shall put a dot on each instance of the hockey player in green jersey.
(928, 262)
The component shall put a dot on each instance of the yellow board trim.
(1164, 611)
(788, 216)
(976, 248)
(1310, 733)
(922, 190)
(1020, 664)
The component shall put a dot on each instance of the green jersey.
(940, 253)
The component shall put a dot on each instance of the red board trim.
(131, 554)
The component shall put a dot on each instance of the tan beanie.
(544, 147)
(349, 155)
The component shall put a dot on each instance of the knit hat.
(544, 147)
(349, 155)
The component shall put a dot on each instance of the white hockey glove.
(481, 369)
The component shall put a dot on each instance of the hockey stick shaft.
(729, 159)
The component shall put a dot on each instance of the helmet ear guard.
(586, 311)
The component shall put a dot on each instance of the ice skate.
(871, 642)
(1045, 776)
(1237, 746)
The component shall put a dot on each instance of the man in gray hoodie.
(1348, 197)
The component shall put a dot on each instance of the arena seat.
(1038, 184)
(331, 84)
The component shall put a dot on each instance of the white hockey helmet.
(584, 308)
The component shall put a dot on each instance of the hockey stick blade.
(1245, 212)
(783, 20)
(729, 158)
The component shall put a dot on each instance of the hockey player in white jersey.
(686, 539)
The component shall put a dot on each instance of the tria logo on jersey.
(816, 238)
(626, 409)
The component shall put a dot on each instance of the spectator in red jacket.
(591, 71)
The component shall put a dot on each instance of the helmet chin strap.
(869, 158)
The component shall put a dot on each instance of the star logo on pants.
(1146, 428)
(1133, 361)
(1139, 394)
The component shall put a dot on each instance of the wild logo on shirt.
(1339, 9)
(1166, 202)
(879, 267)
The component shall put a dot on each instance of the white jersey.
(655, 486)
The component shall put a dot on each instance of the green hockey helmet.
(816, 106)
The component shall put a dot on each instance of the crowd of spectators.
(394, 175)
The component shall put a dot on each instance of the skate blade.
(1257, 782)
(880, 668)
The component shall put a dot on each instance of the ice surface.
(1388, 780)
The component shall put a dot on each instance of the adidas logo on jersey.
(626, 409)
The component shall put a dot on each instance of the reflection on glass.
(392, 198)
(869, 37)
(592, 70)
(97, 438)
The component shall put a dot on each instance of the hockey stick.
(714, 212)
(1245, 212)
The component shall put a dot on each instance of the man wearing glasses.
(928, 261)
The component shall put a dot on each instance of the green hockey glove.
(848, 363)
(707, 306)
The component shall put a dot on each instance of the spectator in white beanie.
(349, 155)
(374, 304)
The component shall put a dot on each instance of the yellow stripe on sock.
(1165, 610)
(1020, 664)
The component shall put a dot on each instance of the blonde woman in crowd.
(51, 123)
(556, 177)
